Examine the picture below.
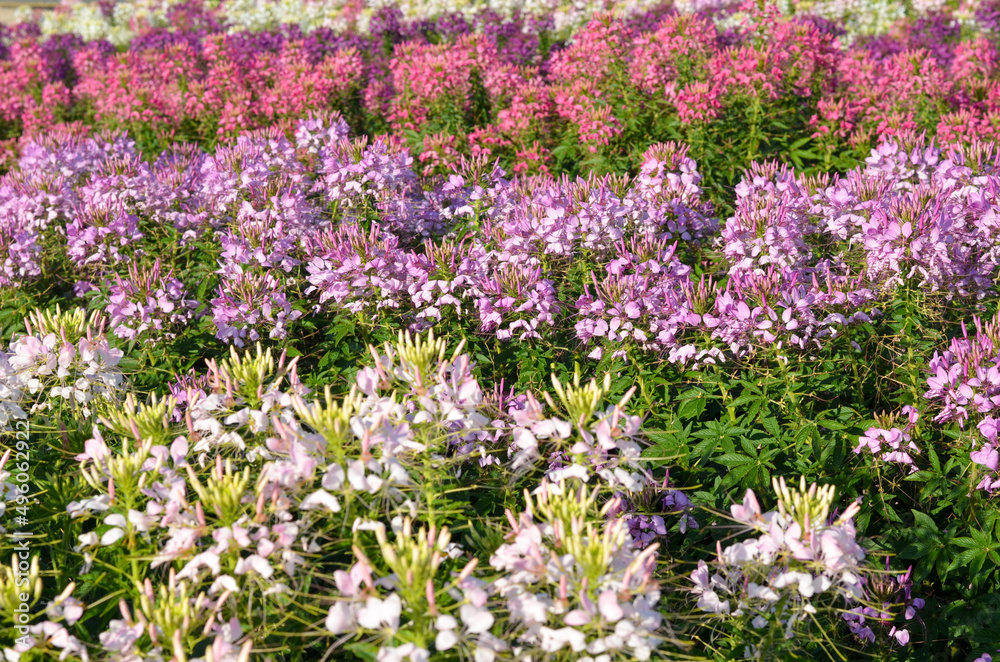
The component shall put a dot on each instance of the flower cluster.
(886, 593)
(986, 456)
(424, 604)
(802, 561)
(64, 361)
(148, 303)
(898, 443)
(965, 379)
(573, 583)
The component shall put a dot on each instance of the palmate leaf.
(979, 547)
(692, 404)
(752, 468)
(928, 545)
(714, 434)
(670, 443)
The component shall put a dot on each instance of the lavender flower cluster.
(893, 444)
(347, 224)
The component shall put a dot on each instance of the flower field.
(500, 331)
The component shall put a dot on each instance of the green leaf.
(692, 407)
(340, 329)
(924, 521)
(129, 364)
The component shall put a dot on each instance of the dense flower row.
(485, 84)
(229, 485)
(121, 22)
(346, 225)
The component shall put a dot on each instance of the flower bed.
(667, 334)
